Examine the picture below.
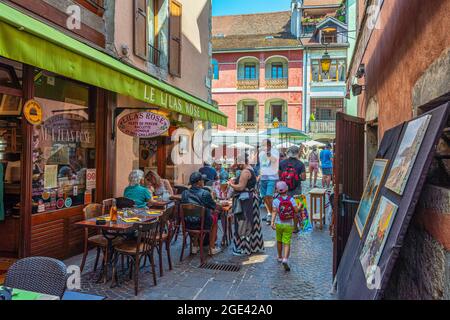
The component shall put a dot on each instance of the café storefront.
(60, 146)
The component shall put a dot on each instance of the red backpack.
(290, 176)
(285, 209)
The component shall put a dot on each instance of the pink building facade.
(253, 99)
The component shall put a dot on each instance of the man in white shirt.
(269, 164)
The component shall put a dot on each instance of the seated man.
(199, 196)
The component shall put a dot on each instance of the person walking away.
(293, 172)
(199, 196)
(327, 166)
(313, 161)
(248, 236)
(284, 210)
(269, 165)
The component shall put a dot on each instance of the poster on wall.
(407, 153)
(376, 238)
(51, 176)
(370, 193)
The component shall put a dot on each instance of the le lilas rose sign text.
(144, 124)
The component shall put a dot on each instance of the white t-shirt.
(268, 167)
(276, 205)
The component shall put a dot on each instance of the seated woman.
(135, 191)
(199, 196)
(158, 185)
(222, 191)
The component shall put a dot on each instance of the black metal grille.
(221, 267)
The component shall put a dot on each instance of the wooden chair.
(192, 210)
(98, 241)
(168, 227)
(136, 250)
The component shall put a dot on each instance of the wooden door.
(348, 178)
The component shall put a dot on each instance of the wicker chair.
(38, 274)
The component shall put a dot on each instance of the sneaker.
(195, 249)
(280, 260)
(269, 222)
(215, 250)
(286, 266)
(264, 219)
(237, 253)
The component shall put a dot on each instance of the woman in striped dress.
(248, 236)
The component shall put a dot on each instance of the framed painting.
(370, 193)
(407, 153)
(10, 105)
(376, 238)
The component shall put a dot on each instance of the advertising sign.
(144, 124)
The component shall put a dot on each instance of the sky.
(231, 7)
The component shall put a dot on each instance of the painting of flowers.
(370, 194)
(377, 236)
(407, 154)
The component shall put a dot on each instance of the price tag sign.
(91, 178)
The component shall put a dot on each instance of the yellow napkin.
(104, 218)
(134, 219)
(153, 212)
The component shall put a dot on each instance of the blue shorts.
(327, 171)
(267, 188)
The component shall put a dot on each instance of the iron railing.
(322, 126)
(277, 83)
(154, 55)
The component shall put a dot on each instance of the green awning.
(30, 41)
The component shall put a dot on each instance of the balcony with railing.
(252, 125)
(154, 55)
(247, 83)
(322, 126)
(277, 83)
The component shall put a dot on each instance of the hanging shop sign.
(144, 124)
(32, 111)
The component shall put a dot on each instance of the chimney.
(296, 17)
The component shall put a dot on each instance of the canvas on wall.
(370, 193)
(407, 153)
(376, 238)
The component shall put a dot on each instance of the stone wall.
(422, 271)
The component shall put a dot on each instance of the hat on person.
(196, 177)
(293, 152)
(282, 187)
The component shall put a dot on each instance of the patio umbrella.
(214, 146)
(286, 145)
(313, 143)
(286, 133)
(240, 145)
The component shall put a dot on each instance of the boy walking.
(284, 210)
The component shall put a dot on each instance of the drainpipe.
(305, 90)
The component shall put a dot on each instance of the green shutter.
(268, 68)
(240, 71)
(285, 114)
(240, 113)
(267, 116)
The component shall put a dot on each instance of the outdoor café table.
(224, 212)
(19, 294)
(112, 231)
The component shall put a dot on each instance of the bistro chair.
(167, 229)
(180, 188)
(123, 203)
(136, 250)
(97, 241)
(38, 274)
(192, 210)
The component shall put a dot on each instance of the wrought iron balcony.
(322, 126)
(270, 125)
(277, 83)
(243, 83)
(154, 55)
(247, 125)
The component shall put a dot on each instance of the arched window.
(215, 66)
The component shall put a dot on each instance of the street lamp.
(325, 61)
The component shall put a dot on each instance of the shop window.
(64, 145)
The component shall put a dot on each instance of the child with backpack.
(284, 210)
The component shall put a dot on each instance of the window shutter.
(267, 114)
(140, 29)
(175, 38)
(240, 113)
(285, 114)
(268, 69)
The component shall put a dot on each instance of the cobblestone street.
(260, 276)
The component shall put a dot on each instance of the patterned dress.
(252, 241)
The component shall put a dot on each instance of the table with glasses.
(225, 207)
(125, 223)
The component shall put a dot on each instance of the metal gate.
(348, 178)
